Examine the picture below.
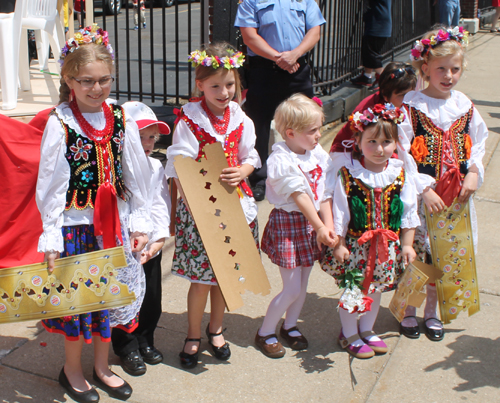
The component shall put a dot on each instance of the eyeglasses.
(402, 70)
(87, 83)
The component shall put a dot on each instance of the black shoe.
(89, 396)
(363, 81)
(433, 334)
(410, 332)
(133, 364)
(259, 193)
(221, 353)
(189, 361)
(151, 355)
(122, 392)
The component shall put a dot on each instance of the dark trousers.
(268, 86)
(149, 315)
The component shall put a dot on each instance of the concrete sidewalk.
(463, 367)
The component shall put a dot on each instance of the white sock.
(350, 325)
(367, 320)
(430, 310)
(293, 311)
(369, 75)
(410, 322)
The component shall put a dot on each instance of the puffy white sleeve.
(52, 185)
(410, 217)
(247, 154)
(285, 178)
(160, 210)
(341, 213)
(183, 143)
(330, 175)
(478, 133)
(136, 175)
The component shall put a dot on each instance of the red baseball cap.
(144, 116)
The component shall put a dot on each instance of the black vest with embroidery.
(85, 159)
(433, 139)
(372, 208)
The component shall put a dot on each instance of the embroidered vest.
(85, 159)
(373, 208)
(230, 145)
(428, 149)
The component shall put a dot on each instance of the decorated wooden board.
(78, 284)
(410, 286)
(222, 225)
(450, 234)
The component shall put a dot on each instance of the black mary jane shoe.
(434, 334)
(189, 361)
(133, 363)
(412, 332)
(122, 392)
(221, 353)
(88, 396)
(151, 355)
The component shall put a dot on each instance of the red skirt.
(289, 240)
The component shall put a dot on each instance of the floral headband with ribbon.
(233, 60)
(359, 120)
(90, 34)
(421, 48)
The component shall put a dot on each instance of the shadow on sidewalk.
(475, 360)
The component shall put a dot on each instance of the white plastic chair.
(43, 17)
(10, 29)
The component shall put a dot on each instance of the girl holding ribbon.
(375, 215)
(92, 193)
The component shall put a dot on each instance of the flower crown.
(388, 112)
(422, 47)
(233, 60)
(90, 34)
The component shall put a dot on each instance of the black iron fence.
(151, 62)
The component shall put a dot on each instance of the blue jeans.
(449, 12)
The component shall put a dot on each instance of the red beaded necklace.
(98, 136)
(220, 125)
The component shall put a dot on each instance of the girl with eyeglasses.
(92, 194)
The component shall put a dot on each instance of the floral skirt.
(385, 275)
(77, 240)
(190, 258)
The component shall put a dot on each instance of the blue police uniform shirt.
(282, 23)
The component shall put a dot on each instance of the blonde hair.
(297, 113)
(201, 72)
(85, 54)
(442, 49)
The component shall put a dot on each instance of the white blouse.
(443, 112)
(54, 176)
(185, 143)
(159, 202)
(288, 173)
(408, 195)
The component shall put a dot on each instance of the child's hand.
(153, 249)
(469, 187)
(233, 176)
(409, 255)
(138, 241)
(326, 236)
(340, 252)
(432, 200)
(50, 257)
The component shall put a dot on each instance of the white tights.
(289, 300)
(430, 310)
(350, 323)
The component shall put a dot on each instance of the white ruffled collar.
(195, 112)
(377, 179)
(307, 161)
(455, 107)
(96, 119)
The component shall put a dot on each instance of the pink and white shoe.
(379, 347)
(361, 352)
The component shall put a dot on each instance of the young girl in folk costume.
(395, 82)
(301, 220)
(213, 118)
(375, 215)
(91, 191)
(447, 137)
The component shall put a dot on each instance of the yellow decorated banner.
(450, 234)
(78, 284)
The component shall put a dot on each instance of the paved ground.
(463, 367)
